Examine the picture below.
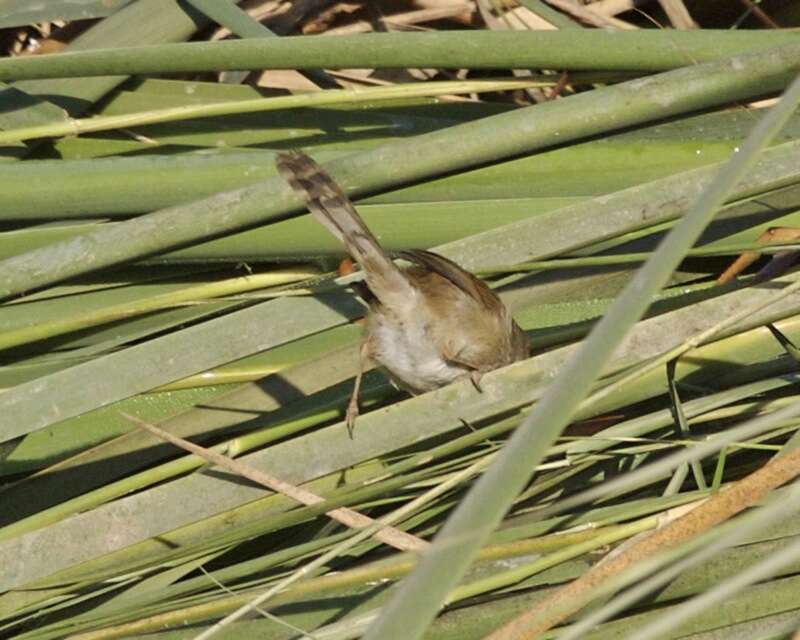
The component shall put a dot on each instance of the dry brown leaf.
(611, 7)
(587, 14)
(287, 79)
(461, 12)
(678, 14)
(322, 21)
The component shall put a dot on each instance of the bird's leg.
(352, 406)
(779, 263)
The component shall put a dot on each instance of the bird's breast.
(405, 349)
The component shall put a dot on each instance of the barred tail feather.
(333, 210)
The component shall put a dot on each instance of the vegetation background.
(591, 160)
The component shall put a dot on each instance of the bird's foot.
(779, 263)
(350, 417)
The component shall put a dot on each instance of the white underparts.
(407, 352)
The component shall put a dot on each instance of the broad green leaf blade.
(142, 22)
(226, 13)
(24, 110)
(400, 226)
(155, 362)
(16, 13)
(259, 105)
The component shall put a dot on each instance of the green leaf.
(572, 49)
(15, 13)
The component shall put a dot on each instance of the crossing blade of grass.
(18, 13)
(437, 490)
(258, 105)
(681, 431)
(419, 597)
(724, 591)
(665, 567)
(789, 346)
(435, 153)
(327, 451)
(740, 433)
(229, 15)
(719, 508)
(650, 422)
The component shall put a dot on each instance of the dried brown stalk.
(721, 507)
(348, 517)
(678, 14)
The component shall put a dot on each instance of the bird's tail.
(333, 210)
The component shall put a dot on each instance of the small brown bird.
(427, 324)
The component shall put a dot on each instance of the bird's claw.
(350, 418)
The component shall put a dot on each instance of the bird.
(777, 266)
(428, 323)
